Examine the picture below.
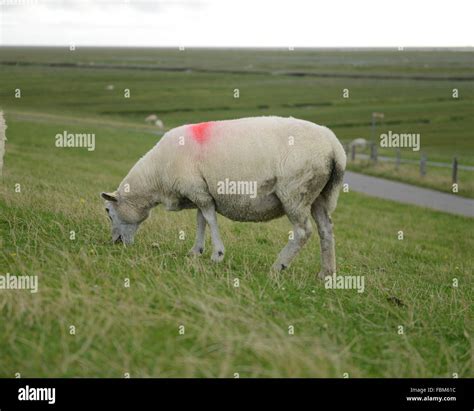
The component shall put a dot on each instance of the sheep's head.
(124, 217)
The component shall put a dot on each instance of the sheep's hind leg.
(324, 223)
(301, 233)
(198, 247)
(209, 213)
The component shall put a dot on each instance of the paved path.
(412, 161)
(409, 194)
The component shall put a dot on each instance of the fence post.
(372, 138)
(455, 170)
(397, 162)
(353, 152)
(423, 165)
(373, 152)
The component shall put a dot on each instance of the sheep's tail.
(3, 138)
(330, 192)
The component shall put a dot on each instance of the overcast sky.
(254, 23)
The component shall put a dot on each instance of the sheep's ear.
(109, 196)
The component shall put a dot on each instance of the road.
(408, 194)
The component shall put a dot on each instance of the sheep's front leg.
(198, 247)
(209, 213)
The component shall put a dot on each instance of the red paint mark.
(200, 132)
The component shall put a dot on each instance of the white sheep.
(159, 124)
(359, 142)
(151, 118)
(278, 166)
(3, 138)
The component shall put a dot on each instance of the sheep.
(110, 87)
(296, 166)
(151, 118)
(359, 142)
(159, 124)
(3, 138)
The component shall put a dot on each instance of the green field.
(227, 329)
(413, 88)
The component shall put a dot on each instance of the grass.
(228, 329)
(413, 88)
(445, 63)
(419, 106)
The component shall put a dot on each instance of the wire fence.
(423, 162)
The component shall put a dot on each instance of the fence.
(423, 162)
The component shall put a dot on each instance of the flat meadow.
(148, 310)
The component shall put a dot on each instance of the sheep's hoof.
(277, 267)
(217, 256)
(195, 252)
(323, 274)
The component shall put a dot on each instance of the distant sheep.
(151, 118)
(159, 124)
(110, 87)
(250, 169)
(361, 143)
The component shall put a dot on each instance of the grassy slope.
(227, 329)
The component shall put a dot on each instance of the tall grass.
(227, 329)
